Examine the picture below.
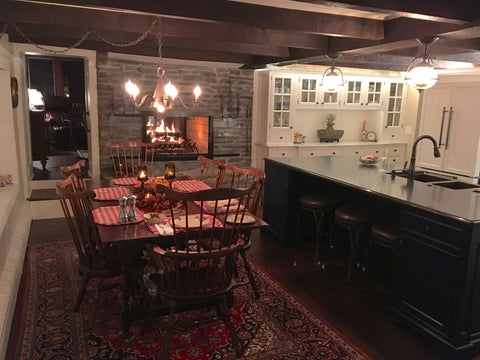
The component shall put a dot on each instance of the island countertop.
(462, 204)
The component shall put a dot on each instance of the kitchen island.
(437, 287)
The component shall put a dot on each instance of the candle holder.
(170, 173)
(142, 176)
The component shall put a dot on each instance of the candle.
(142, 173)
(169, 171)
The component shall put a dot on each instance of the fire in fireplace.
(179, 137)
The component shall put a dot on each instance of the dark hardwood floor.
(357, 309)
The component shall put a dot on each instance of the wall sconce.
(170, 173)
(142, 176)
(422, 75)
(332, 79)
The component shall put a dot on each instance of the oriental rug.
(277, 326)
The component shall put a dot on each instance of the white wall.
(15, 216)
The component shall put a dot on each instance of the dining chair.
(77, 181)
(127, 156)
(197, 271)
(66, 171)
(242, 178)
(212, 171)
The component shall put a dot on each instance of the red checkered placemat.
(129, 181)
(190, 185)
(166, 229)
(108, 215)
(111, 193)
(197, 185)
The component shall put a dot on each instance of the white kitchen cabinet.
(395, 100)
(450, 114)
(364, 93)
(280, 108)
(326, 151)
(311, 94)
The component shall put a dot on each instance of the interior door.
(435, 101)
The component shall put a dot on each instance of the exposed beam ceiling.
(381, 35)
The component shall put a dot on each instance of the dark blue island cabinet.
(437, 284)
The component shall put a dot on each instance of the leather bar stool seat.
(386, 235)
(357, 220)
(318, 205)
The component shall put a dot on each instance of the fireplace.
(179, 138)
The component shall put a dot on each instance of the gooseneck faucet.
(436, 153)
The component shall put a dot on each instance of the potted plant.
(329, 134)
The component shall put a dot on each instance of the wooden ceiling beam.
(238, 13)
(135, 23)
(446, 10)
(147, 50)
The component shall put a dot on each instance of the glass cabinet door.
(281, 102)
(308, 91)
(374, 93)
(354, 92)
(394, 109)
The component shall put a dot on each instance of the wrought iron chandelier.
(165, 92)
(420, 72)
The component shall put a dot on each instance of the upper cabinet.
(311, 94)
(364, 93)
(394, 103)
(280, 121)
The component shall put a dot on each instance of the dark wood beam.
(463, 10)
(146, 49)
(174, 27)
(239, 13)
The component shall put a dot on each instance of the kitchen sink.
(422, 176)
(457, 185)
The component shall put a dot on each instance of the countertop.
(340, 143)
(463, 205)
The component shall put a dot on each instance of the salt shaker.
(132, 214)
(122, 202)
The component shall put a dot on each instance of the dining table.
(130, 237)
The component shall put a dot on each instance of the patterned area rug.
(275, 327)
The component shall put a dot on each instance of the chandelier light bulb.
(197, 92)
(171, 90)
(132, 89)
(160, 108)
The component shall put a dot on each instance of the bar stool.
(386, 235)
(317, 204)
(357, 220)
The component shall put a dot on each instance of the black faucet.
(436, 153)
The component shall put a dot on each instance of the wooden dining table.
(129, 237)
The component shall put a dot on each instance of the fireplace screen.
(179, 136)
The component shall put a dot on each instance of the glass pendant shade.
(332, 80)
(420, 72)
(422, 76)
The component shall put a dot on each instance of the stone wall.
(224, 91)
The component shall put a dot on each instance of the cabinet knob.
(311, 154)
(356, 152)
(281, 137)
(377, 151)
(394, 150)
(283, 154)
(333, 153)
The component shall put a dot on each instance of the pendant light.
(420, 72)
(332, 79)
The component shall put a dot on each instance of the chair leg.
(224, 313)
(353, 246)
(168, 333)
(253, 283)
(83, 287)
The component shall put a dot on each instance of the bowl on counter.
(368, 160)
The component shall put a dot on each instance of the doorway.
(58, 121)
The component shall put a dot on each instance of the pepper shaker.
(132, 213)
(122, 216)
